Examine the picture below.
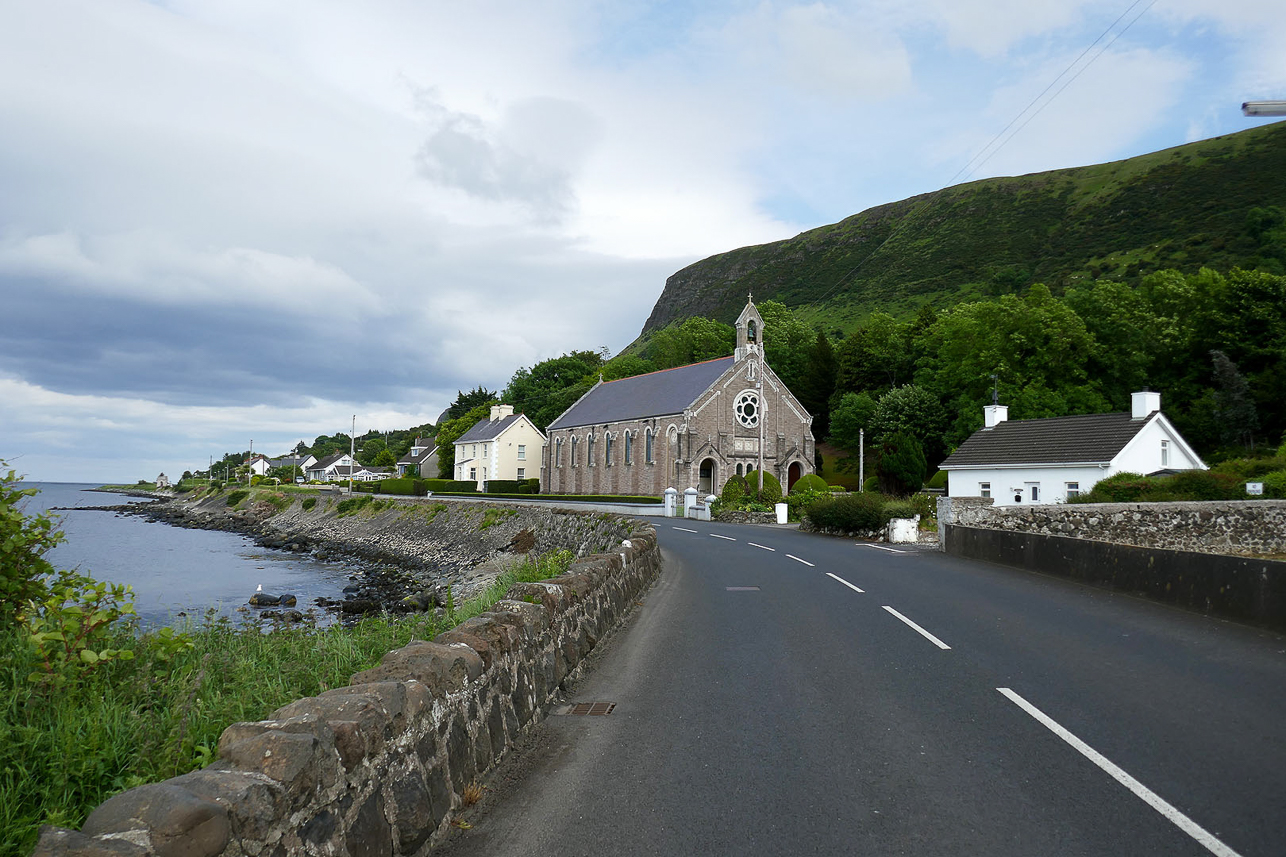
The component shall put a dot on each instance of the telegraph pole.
(352, 453)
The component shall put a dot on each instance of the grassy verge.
(65, 748)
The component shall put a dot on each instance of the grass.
(64, 750)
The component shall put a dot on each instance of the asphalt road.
(765, 705)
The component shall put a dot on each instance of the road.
(783, 693)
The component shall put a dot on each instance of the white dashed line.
(843, 581)
(880, 548)
(761, 547)
(725, 538)
(683, 529)
(1151, 798)
(924, 633)
(804, 561)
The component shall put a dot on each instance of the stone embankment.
(379, 767)
(413, 552)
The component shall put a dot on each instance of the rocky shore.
(409, 554)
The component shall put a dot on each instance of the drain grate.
(591, 709)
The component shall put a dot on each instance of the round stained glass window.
(747, 409)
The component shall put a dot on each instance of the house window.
(984, 489)
(473, 473)
(647, 446)
(589, 450)
(1165, 453)
(574, 442)
(607, 449)
(558, 452)
(522, 473)
(629, 454)
(1073, 490)
(522, 452)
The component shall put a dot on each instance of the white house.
(258, 465)
(339, 467)
(1051, 460)
(506, 446)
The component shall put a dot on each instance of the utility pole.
(352, 453)
(759, 383)
(861, 460)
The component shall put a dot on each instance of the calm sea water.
(175, 570)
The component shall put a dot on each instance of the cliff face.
(1181, 208)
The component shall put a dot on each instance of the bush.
(939, 480)
(405, 487)
(899, 509)
(309, 502)
(772, 488)
(1275, 485)
(811, 482)
(734, 491)
(871, 485)
(1185, 485)
(1204, 485)
(902, 465)
(236, 497)
(848, 513)
(24, 541)
(534, 484)
(459, 487)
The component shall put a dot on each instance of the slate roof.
(652, 395)
(487, 429)
(328, 461)
(418, 458)
(1059, 440)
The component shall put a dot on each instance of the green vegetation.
(866, 512)
(309, 502)
(493, 516)
(235, 498)
(89, 706)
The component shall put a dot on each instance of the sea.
(178, 574)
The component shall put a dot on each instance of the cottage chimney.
(993, 414)
(499, 412)
(1143, 404)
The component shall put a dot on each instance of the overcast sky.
(235, 220)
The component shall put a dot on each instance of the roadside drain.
(587, 709)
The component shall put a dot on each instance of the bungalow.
(506, 446)
(422, 455)
(1053, 460)
(339, 467)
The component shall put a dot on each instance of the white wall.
(1052, 482)
(1143, 454)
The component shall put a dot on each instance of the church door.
(706, 485)
(792, 475)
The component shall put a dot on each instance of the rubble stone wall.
(378, 767)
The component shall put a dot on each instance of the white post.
(861, 459)
(671, 501)
(690, 503)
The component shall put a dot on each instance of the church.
(690, 426)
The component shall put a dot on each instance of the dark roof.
(328, 461)
(652, 395)
(1059, 440)
(418, 458)
(488, 429)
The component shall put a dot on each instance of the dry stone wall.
(1233, 527)
(376, 768)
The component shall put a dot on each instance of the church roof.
(652, 395)
(1059, 440)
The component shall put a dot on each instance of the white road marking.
(804, 561)
(843, 581)
(924, 633)
(725, 538)
(880, 548)
(761, 547)
(683, 529)
(1187, 825)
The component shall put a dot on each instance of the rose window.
(747, 409)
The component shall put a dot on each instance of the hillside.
(1180, 208)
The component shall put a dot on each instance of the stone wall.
(376, 768)
(1254, 528)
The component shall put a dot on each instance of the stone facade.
(1232, 527)
(716, 433)
(376, 768)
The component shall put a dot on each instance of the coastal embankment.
(412, 553)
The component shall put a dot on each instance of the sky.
(236, 221)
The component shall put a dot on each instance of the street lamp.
(1264, 108)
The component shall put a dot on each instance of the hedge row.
(409, 487)
(513, 486)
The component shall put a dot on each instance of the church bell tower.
(750, 332)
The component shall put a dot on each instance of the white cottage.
(1052, 460)
(507, 446)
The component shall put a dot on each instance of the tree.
(385, 458)
(626, 366)
(1234, 410)
(370, 450)
(24, 541)
(902, 465)
(286, 473)
(536, 391)
(915, 411)
(788, 344)
(819, 384)
(851, 414)
(875, 357)
(690, 341)
(453, 430)
(465, 402)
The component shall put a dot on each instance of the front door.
(1033, 492)
(706, 483)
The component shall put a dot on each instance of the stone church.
(691, 426)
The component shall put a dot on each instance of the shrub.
(1275, 485)
(848, 513)
(772, 488)
(938, 480)
(734, 490)
(24, 540)
(236, 497)
(534, 484)
(459, 487)
(902, 465)
(871, 485)
(811, 482)
(836, 489)
(899, 509)
(404, 487)
(309, 502)
(1204, 485)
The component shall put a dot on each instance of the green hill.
(1181, 208)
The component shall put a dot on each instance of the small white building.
(506, 446)
(1052, 460)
